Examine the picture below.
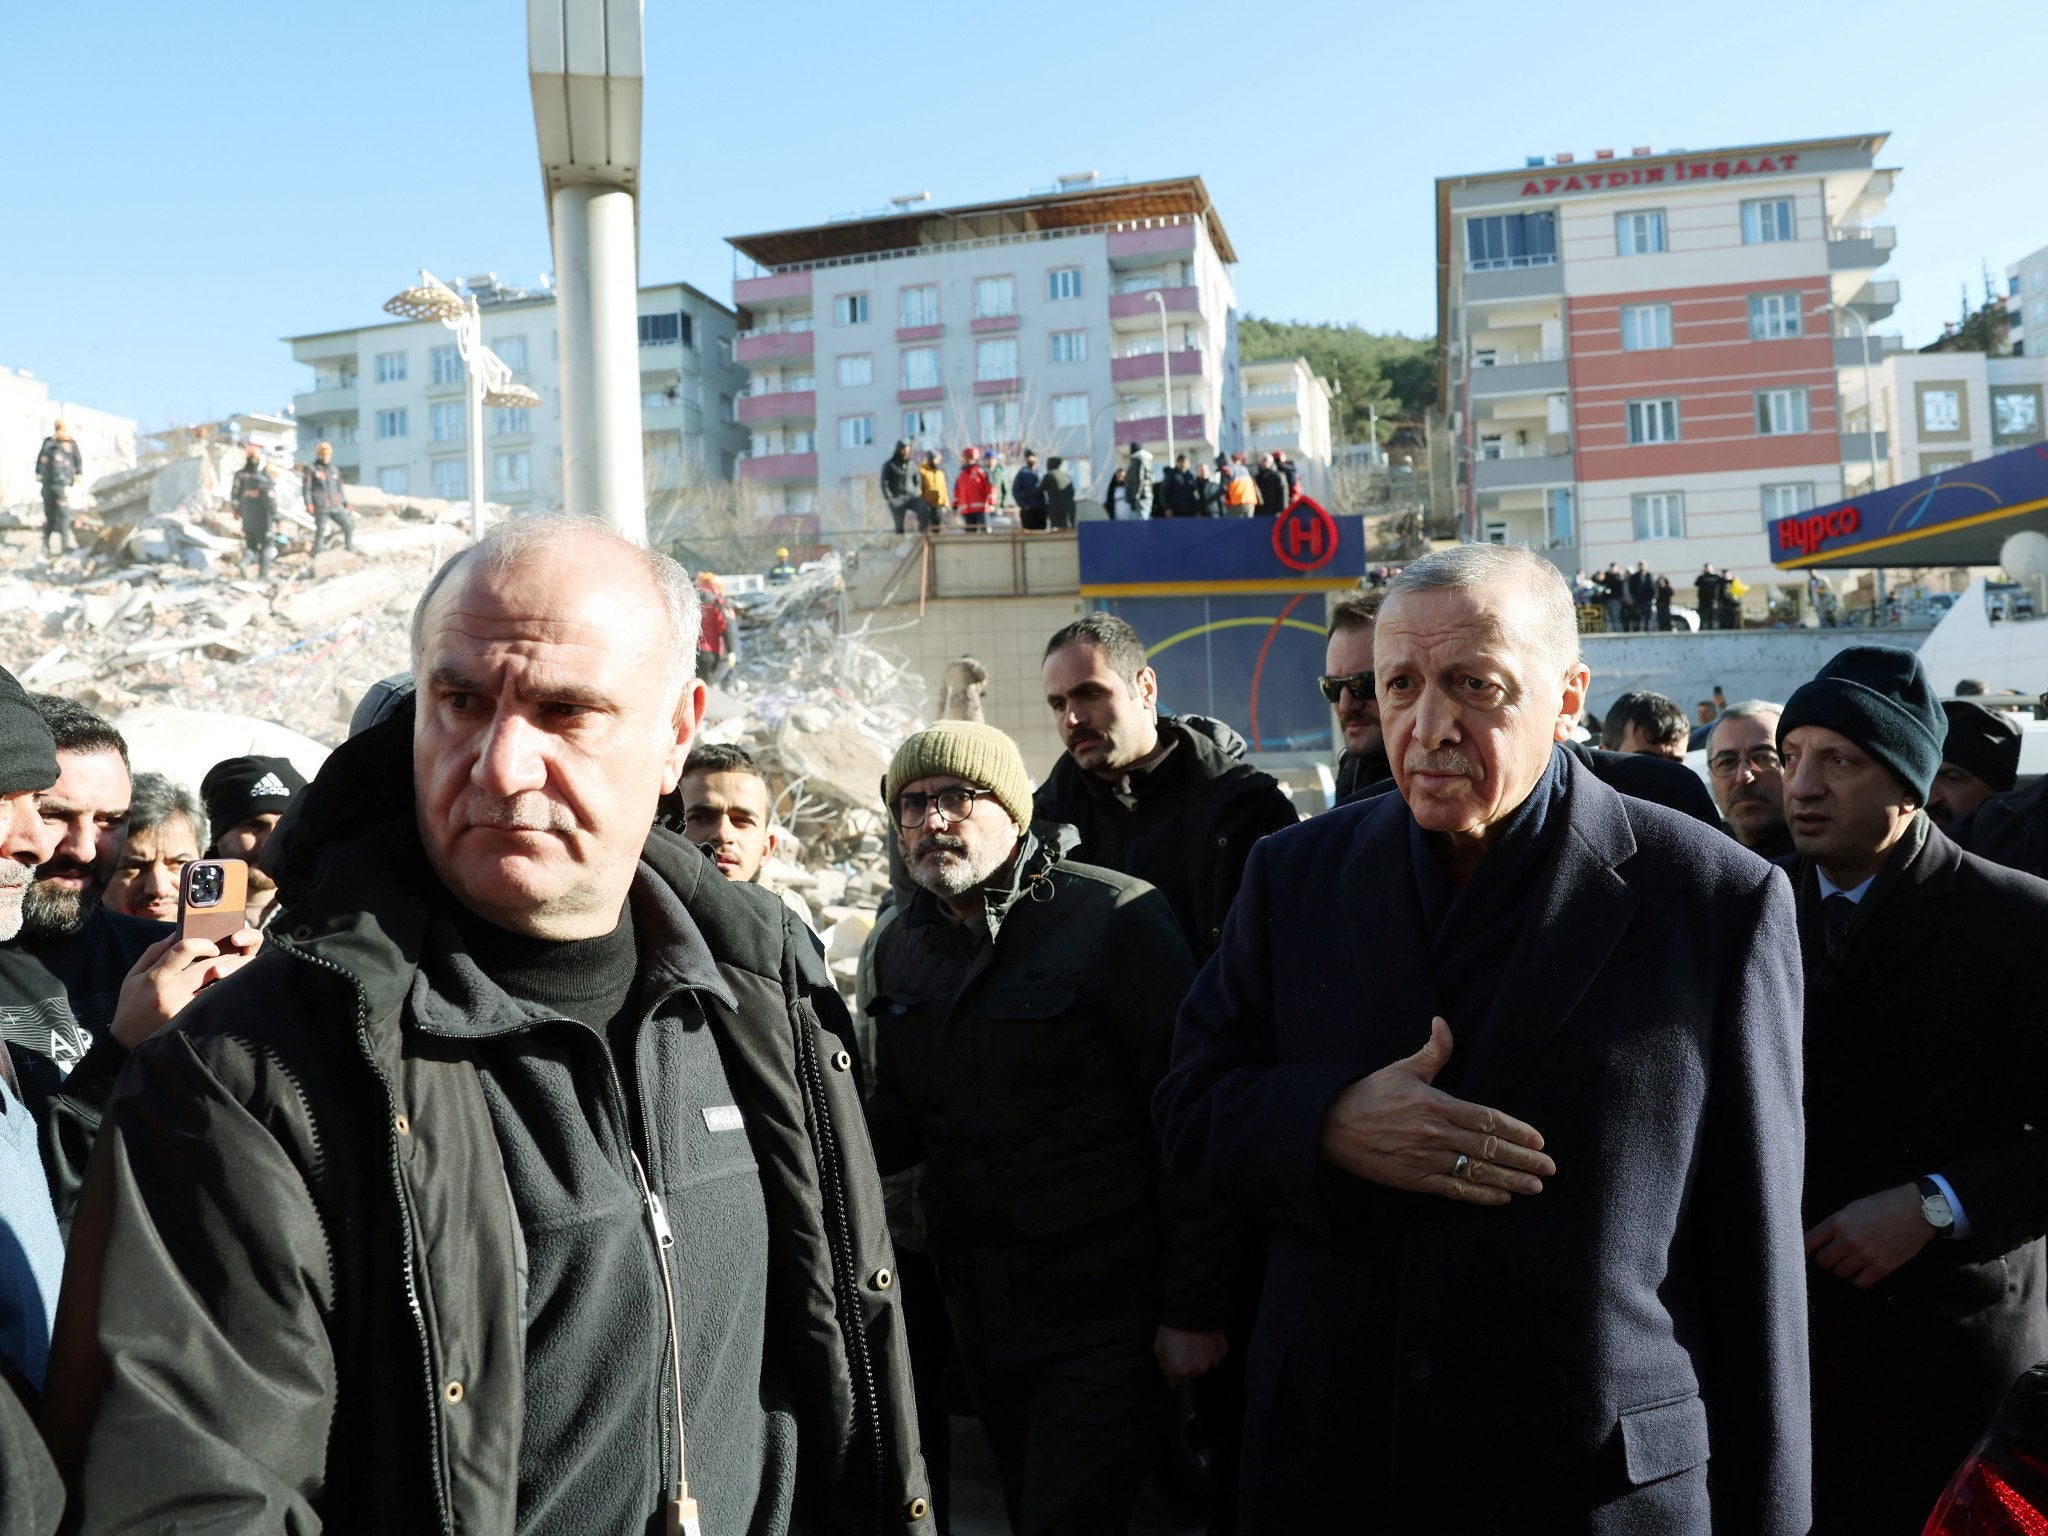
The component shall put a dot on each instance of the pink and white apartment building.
(1073, 322)
(1642, 356)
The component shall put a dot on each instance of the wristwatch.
(1935, 1207)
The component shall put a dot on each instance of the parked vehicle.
(2002, 1488)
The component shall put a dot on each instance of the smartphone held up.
(213, 899)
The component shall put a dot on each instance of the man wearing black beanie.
(1980, 758)
(1926, 1187)
(245, 799)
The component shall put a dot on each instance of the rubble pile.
(822, 708)
(152, 608)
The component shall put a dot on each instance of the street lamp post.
(487, 379)
(1165, 369)
(1869, 412)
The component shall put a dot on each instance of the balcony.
(335, 400)
(1545, 282)
(1857, 447)
(1129, 247)
(1183, 303)
(783, 405)
(1849, 350)
(1144, 367)
(1876, 299)
(1852, 249)
(1522, 470)
(778, 468)
(1520, 373)
(998, 386)
(920, 332)
(777, 289)
(1151, 430)
(771, 346)
(922, 394)
(984, 325)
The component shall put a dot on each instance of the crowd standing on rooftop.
(1541, 1138)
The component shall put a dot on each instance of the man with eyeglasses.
(1747, 777)
(1023, 1012)
(1347, 683)
(1926, 1087)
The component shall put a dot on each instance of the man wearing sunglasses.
(1748, 777)
(1347, 683)
(1023, 1012)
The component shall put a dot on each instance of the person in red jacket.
(972, 495)
(717, 635)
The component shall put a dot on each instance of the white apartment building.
(1073, 322)
(106, 442)
(1287, 406)
(391, 397)
(2026, 303)
(1937, 411)
(1643, 355)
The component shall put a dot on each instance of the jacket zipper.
(412, 1293)
(681, 1509)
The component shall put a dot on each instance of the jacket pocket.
(1660, 1440)
(1036, 1042)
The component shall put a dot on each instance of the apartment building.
(2026, 303)
(106, 442)
(1073, 321)
(1642, 355)
(1287, 406)
(1936, 411)
(391, 397)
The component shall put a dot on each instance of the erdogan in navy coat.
(1511, 1064)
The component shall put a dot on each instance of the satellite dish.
(2025, 555)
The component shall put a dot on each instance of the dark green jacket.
(1025, 1085)
(300, 1234)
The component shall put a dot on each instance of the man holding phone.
(507, 1017)
(246, 797)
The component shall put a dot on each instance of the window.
(728, 409)
(394, 480)
(1781, 412)
(1941, 410)
(920, 368)
(924, 427)
(2041, 311)
(512, 471)
(803, 442)
(2016, 412)
(1786, 500)
(509, 421)
(856, 369)
(994, 297)
(1639, 234)
(1767, 221)
(661, 330)
(512, 351)
(1774, 316)
(2037, 277)
(451, 479)
(1070, 346)
(391, 423)
(850, 309)
(856, 431)
(1559, 526)
(1645, 327)
(1070, 410)
(1063, 283)
(1653, 421)
(390, 367)
(918, 306)
(444, 365)
(1000, 421)
(656, 399)
(1501, 240)
(996, 359)
(1660, 515)
(447, 423)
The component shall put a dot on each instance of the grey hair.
(157, 799)
(1465, 567)
(519, 539)
(1749, 709)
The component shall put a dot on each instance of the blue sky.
(184, 184)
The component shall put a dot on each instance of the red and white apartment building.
(1642, 355)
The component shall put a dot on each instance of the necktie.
(1837, 912)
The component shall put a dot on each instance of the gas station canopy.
(1960, 516)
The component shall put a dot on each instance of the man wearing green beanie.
(1023, 1014)
(1926, 1188)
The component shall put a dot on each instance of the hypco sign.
(1612, 178)
(1806, 534)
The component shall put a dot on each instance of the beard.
(14, 883)
(48, 911)
(944, 865)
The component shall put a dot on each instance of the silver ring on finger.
(1458, 1168)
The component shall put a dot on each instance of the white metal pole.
(597, 307)
(1869, 426)
(471, 335)
(1166, 370)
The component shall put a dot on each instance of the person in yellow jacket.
(931, 485)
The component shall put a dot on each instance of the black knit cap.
(28, 752)
(242, 787)
(1982, 741)
(1879, 697)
